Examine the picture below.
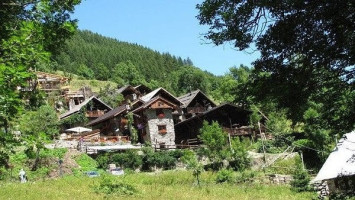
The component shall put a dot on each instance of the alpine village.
(86, 116)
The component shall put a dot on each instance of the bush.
(224, 175)
(239, 159)
(54, 153)
(110, 185)
(129, 159)
(245, 176)
(300, 179)
(103, 160)
(86, 162)
(161, 159)
(176, 153)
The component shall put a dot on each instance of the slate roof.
(108, 115)
(77, 108)
(187, 98)
(341, 162)
(146, 104)
(156, 92)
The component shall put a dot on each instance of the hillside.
(97, 57)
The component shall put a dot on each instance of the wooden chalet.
(143, 89)
(194, 103)
(129, 93)
(233, 120)
(93, 107)
(114, 122)
(73, 98)
(46, 82)
(154, 115)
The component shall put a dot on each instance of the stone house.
(155, 122)
(338, 171)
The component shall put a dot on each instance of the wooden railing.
(243, 131)
(195, 109)
(94, 113)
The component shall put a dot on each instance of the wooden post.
(302, 160)
(262, 142)
(229, 135)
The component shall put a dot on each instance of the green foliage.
(30, 32)
(280, 127)
(189, 78)
(109, 95)
(129, 159)
(245, 176)
(190, 159)
(74, 119)
(103, 160)
(37, 127)
(86, 162)
(215, 141)
(301, 178)
(239, 159)
(53, 153)
(161, 159)
(225, 175)
(132, 130)
(44, 120)
(111, 186)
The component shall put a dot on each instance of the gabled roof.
(109, 115)
(341, 162)
(77, 108)
(161, 92)
(153, 100)
(189, 97)
(141, 88)
(126, 88)
(226, 109)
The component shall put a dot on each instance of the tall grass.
(166, 185)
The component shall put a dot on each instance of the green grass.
(95, 85)
(166, 185)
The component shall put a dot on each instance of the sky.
(161, 25)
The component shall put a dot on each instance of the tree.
(322, 32)
(37, 127)
(306, 65)
(190, 159)
(30, 32)
(215, 141)
(239, 159)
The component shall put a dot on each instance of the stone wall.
(153, 134)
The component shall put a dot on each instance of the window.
(160, 113)
(162, 129)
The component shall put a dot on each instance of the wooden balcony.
(242, 131)
(195, 109)
(94, 113)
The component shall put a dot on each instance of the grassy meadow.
(165, 185)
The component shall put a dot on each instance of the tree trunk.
(35, 165)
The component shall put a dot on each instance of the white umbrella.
(79, 129)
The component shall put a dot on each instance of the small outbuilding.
(339, 168)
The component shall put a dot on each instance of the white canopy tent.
(79, 129)
(341, 162)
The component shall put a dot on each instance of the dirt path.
(68, 164)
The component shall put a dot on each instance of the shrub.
(129, 159)
(239, 159)
(162, 159)
(103, 160)
(245, 176)
(110, 185)
(224, 175)
(300, 179)
(176, 153)
(86, 162)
